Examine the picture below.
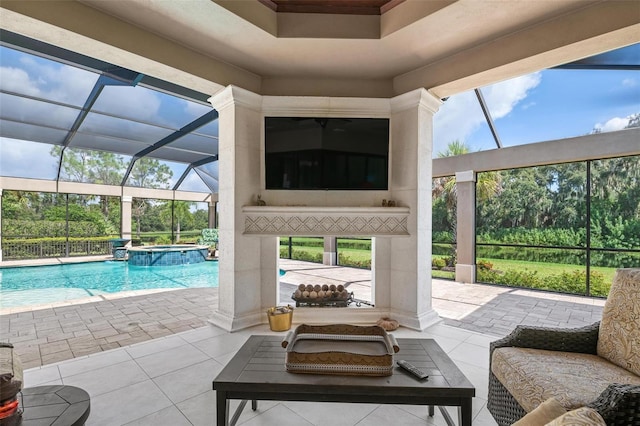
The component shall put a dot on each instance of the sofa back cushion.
(619, 334)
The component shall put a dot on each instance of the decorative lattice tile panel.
(318, 221)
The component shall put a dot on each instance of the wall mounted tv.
(326, 153)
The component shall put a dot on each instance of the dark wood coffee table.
(257, 372)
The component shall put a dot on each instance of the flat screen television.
(326, 153)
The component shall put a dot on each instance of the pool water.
(33, 285)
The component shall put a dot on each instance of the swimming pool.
(32, 285)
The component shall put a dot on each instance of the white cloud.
(20, 158)
(194, 109)
(456, 120)
(461, 115)
(17, 80)
(629, 82)
(137, 103)
(504, 96)
(60, 82)
(616, 123)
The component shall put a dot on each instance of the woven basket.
(340, 349)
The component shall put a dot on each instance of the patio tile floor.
(154, 355)
(52, 333)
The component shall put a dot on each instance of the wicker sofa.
(596, 366)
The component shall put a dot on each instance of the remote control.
(421, 375)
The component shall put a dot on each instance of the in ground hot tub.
(170, 255)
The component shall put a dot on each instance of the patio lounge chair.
(597, 366)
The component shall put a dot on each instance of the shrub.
(345, 260)
(523, 278)
(484, 265)
(438, 263)
(566, 282)
(487, 276)
(301, 255)
(354, 244)
(46, 228)
(162, 239)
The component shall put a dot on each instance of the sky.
(545, 105)
(34, 76)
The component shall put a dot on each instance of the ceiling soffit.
(338, 7)
(444, 46)
(332, 19)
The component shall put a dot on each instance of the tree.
(150, 173)
(138, 208)
(200, 219)
(15, 205)
(487, 186)
(180, 212)
(101, 167)
(80, 165)
(147, 173)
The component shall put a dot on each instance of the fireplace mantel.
(325, 221)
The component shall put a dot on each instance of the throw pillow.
(542, 414)
(619, 334)
(583, 416)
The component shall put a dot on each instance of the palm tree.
(180, 211)
(488, 185)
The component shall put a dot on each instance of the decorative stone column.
(125, 214)
(408, 260)
(466, 226)
(244, 260)
(330, 255)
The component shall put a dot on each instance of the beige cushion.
(583, 416)
(619, 334)
(534, 375)
(543, 414)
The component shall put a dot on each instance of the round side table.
(55, 405)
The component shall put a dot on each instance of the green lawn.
(309, 248)
(443, 274)
(361, 258)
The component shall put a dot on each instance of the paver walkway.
(49, 335)
(54, 333)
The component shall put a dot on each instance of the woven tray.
(340, 349)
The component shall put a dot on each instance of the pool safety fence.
(43, 248)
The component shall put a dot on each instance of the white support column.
(125, 214)
(330, 255)
(241, 257)
(466, 226)
(409, 267)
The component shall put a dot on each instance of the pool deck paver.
(55, 334)
(47, 334)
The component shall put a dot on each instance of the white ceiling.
(411, 42)
(445, 46)
(209, 28)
